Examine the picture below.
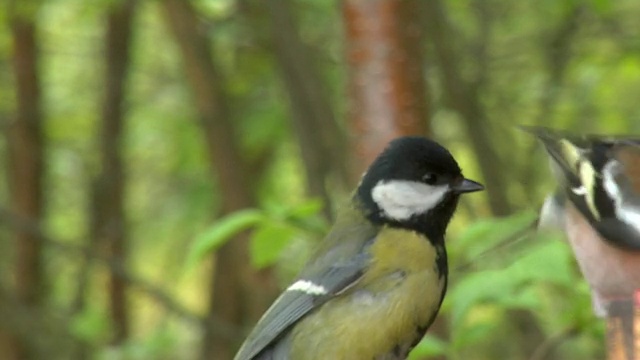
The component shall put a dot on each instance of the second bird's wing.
(601, 178)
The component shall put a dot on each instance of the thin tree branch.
(151, 290)
(319, 137)
(511, 240)
(463, 97)
(557, 55)
(551, 343)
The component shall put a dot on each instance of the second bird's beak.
(466, 186)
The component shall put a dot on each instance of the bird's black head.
(414, 184)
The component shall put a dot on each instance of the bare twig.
(507, 242)
(551, 343)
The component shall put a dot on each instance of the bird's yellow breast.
(399, 293)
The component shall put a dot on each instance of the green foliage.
(220, 232)
(91, 325)
(540, 277)
(274, 228)
(429, 346)
(268, 241)
(171, 192)
(546, 262)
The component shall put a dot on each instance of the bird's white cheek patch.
(625, 211)
(307, 287)
(402, 199)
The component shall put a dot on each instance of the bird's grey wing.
(304, 295)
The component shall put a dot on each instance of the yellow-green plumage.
(405, 261)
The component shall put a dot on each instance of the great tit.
(377, 280)
(597, 205)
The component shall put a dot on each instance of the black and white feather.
(600, 176)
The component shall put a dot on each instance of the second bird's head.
(415, 184)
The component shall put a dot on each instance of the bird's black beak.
(466, 186)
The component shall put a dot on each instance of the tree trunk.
(108, 223)
(387, 91)
(26, 165)
(321, 141)
(238, 293)
(557, 52)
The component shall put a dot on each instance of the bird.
(597, 206)
(377, 280)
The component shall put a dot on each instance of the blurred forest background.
(168, 164)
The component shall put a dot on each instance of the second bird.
(597, 205)
(376, 283)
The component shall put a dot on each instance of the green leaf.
(268, 242)
(220, 232)
(549, 261)
(514, 286)
(477, 288)
(305, 216)
(429, 346)
(305, 209)
(475, 333)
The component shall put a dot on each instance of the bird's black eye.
(430, 178)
